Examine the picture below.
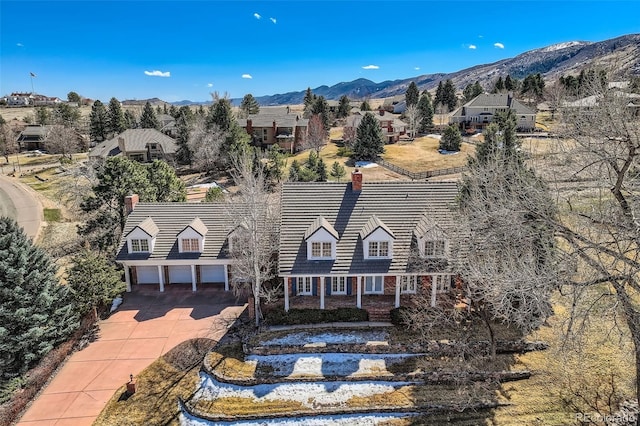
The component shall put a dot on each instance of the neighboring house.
(276, 126)
(165, 244)
(42, 100)
(632, 102)
(392, 127)
(33, 137)
(18, 99)
(479, 112)
(368, 245)
(143, 145)
(167, 125)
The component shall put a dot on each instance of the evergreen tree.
(337, 171)
(98, 122)
(130, 121)
(498, 86)
(451, 139)
(164, 182)
(43, 116)
(214, 194)
(450, 98)
(344, 107)
(74, 97)
(412, 95)
(93, 282)
(173, 111)
(510, 84)
(321, 108)
(184, 155)
(426, 112)
(365, 106)
(467, 93)
(115, 117)
(66, 115)
(221, 114)
(148, 119)
(35, 313)
(276, 163)
(369, 142)
(321, 171)
(249, 105)
(439, 99)
(294, 171)
(308, 99)
(312, 161)
(477, 89)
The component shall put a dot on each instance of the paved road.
(147, 325)
(19, 202)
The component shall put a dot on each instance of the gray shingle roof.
(148, 226)
(372, 224)
(171, 219)
(134, 140)
(198, 226)
(494, 100)
(399, 205)
(320, 223)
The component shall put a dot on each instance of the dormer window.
(378, 248)
(432, 240)
(321, 249)
(435, 248)
(191, 239)
(140, 246)
(190, 245)
(377, 240)
(321, 240)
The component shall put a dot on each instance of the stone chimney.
(130, 202)
(121, 144)
(356, 180)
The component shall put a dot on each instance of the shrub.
(315, 316)
(344, 151)
(398, 316)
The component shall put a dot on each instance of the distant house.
(167, 125)
(167, 244)
(143, 145)
(479, 112)
(370, 245)
(18, 99)
(33, 137)
(632, 101)
(276, 126)
(391, 125)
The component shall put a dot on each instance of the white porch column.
(160, 278)
(397, 291)
(226, 277)
(322, 290)
(433, 291)
(193, 277)
(359, 292)
(286, 294)
(127, 278)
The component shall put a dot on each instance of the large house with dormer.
(276, 125)
(367, 245)
(143, 145)
(167, 244)
(479, 112)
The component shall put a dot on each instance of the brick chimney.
(356, 180)
(130, 202)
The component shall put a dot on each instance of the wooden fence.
(420, 175)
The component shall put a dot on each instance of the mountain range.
(621, 54)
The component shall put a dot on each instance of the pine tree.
(337, 171)
(498, 86)
(130, 121)
(249, 105)
(369, 142)
(308, 99)
(412, 95)
(184, 155)
(148, 119)
(220, 114)
(294, 171)
(344, 107)
(43, 116)
(321, 170)
(98, 122)
(477, 89)
(35, 313)
(115, 117)
(312, 161)
(510, 84)
(426, 112)
(364, 106)
(321, 108)
(451, 139)
(450, 98)
(439, 99)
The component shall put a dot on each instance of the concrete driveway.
(19, 202)
(147, 325)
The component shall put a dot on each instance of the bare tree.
(414, 118)
(317, 134)
(254, 238)
(63, 140)
(349, 134)
(206, 144)
(8, 143)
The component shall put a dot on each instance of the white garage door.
(212, 273)
(179, 274)
(147, 274)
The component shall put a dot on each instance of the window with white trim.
(374, 284)
(338, 285)
(378, 248)
(321, 249)
(434, 248)
(190, 245)
(408, 283)
(304, 286)
(140, 245)
(442, 283)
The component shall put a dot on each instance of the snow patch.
(331, 337)
(559, 46)
(116, 302)
(370, 419)
(434, 136)
(365, 164)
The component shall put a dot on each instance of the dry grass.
(228, 361)
(422, 155)
(238, 406)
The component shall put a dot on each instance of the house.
(479, 112)
(143, 145)
(33, 137)
(165, 244)
(18, 99)
(632, 101)
(167, 125)
(276, 126)
(368, 245)
(392, 127)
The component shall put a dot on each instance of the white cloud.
(247, 76)
(257, 16)
(19, 44)
(209, 84)
(370, 67)
(499, 45)
(472, 46)
(273, 20)
(416, 68)
(157, 73)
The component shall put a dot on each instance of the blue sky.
(179, 50)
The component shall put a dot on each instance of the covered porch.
(176, 273)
